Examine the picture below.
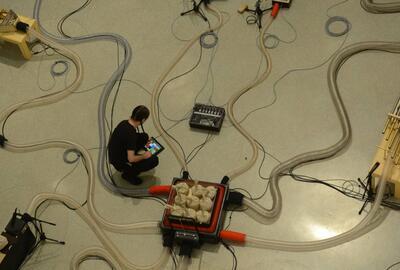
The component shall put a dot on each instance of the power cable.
(276, 39)
(232, 251)
(390, 267)
(61, 22)
(158, 101)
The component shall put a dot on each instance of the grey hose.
(337, 61)
(104, 178)
(370, 6)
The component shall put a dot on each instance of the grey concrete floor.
(301, 119)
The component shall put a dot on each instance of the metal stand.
(258, 13)
(368, 187)
(37, 224)
(196, 9)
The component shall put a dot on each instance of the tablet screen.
(153, 146)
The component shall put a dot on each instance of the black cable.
(61, 22)
(386, 202)
(232, 251)
(198, 148)
(66, 175)
(158, 101)
(397, 263)
(108, 165)
(32, 100)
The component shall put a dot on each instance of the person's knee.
(155, 161)
(118, 167)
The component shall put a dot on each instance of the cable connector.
(225, 180)
(2, 141)
(282, 3)
(185, 175)
(235, 198)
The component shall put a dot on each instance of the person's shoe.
(136, 181)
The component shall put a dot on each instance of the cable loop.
(208, 45)
(333, 20)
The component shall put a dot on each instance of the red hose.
(159, 190)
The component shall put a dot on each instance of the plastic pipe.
(336, 63)
(108, 87)
(53, 97)
(371, 6)
(93, 225)
(246, 166)
(375, 216)
(183, 263)
(99, 252)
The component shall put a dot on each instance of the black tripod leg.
(186, 12)
(362, 208)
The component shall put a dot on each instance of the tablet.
(153, 146)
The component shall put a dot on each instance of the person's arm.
(132, 157)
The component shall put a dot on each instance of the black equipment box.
(20, 245)
(207, 117)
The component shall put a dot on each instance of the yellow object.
(389, 146)
(8, 21)
(20, 38)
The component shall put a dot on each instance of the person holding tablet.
(127, 147)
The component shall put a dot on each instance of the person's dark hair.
(140, 113)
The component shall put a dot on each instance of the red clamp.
(275, 10)
(233, 236)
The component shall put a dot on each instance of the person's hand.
(147, 155)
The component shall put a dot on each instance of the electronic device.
(21, 241)
(182, 229)
(207, 117)
(153, 146)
